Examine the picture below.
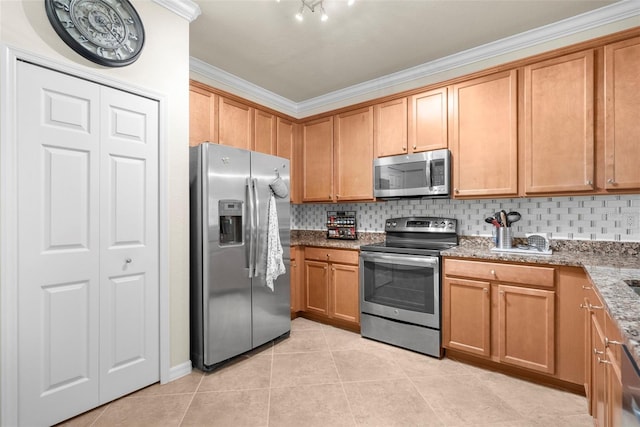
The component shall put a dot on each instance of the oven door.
(401, 287)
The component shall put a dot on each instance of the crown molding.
(243, 87)
(186, 9)
(576, 24)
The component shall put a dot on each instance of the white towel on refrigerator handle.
(275, 264)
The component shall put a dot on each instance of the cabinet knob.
(404, 148)
(328, 255)
(493, 272)
(415, 146)
(586, 287)
(611, 181)
(455, 190)
(595, 307)
(589, 182)
(583, 306)
(595, 351)
(485, 290)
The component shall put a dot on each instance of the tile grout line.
(193, 396)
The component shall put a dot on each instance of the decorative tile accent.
(572, 218)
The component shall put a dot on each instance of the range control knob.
(443, 224)
(393, 224)
(450, 225)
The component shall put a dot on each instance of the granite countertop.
(606, 263)
(319, 238)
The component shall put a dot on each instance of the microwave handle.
(429, 178)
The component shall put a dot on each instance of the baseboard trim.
(179, 371)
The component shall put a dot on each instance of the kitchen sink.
(633, 284)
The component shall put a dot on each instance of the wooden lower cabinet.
(296, 283)
(518, 317)
(603, 351)
(332, 287)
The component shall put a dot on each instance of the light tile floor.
(324, 376)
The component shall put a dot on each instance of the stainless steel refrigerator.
(232, 309)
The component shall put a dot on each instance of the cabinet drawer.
(512, 273)
(332, 255)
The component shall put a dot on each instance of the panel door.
(58, 250)
(622, 104)
(466, 314)
(559, 125)
(533, 311)
(353, 157)
(317, 160)
(235, 123)
(286, 147)
(390, 127)
(264, 140)
(203, 116)
(484, 143)
(344, 293)
(316, 279)
(428, 120)
(129, 297)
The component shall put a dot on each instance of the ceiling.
(260, 41)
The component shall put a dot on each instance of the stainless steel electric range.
(400, 283)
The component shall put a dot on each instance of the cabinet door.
(287, 147)
(344, 294)
(316, 280)
(622, 104)
(526, 327)
(202, 116)
(236, 123)
(559, 125)
(614, 391)
(296, 288)
(428, 120)
(484, 136)
(466, 315)
(353, 155)
(264, 136)
(598, 374)
(317, 160)
(390, 127)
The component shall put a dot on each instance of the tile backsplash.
(610, 218)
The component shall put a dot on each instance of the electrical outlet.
(631, 221)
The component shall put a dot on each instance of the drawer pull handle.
(604, 361)
(595, 351)
(586, 287)
(595, 307)
(607, 341)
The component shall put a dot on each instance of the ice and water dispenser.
(231, 224)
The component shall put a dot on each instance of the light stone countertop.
(606, 263)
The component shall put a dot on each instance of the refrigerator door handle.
(251, 243)
(256, 226)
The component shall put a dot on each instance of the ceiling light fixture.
(312, 5)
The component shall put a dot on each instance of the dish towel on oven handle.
(275, 264)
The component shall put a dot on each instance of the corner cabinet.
(622, 106)
(331, 286)
(559, 150)
(484, 142)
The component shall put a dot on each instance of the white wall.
(162, 68)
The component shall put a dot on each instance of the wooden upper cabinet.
(622, 115)
(428, 120)
(484, 141)
(287, 147)
(264, 135)
(202, 116)
(317, 160)
(235, 123)
(559, 125)
(390, 127)
(353, 155)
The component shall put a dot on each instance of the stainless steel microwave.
(426, 174)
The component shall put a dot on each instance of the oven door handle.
(403, 259)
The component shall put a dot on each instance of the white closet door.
(88, 298)
(129, 277)
(58, 244)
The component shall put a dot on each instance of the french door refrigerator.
(232, 309)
